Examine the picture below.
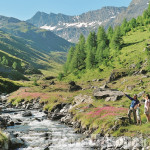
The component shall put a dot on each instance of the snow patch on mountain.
(61, 26)
(48, 27)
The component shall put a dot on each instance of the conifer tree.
(91, 46)
(110, 33)
(117, 40)
(78, 60)
(124, 26)
(102, 44)
(69, 59)
(133, 23)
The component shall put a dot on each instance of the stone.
(10, 123)
(65, 108)
(130, 87)
(44, 86)
(66, 119)
(98, 80)
(27, 114)
(112, 98)
(82, 99)
(132, 66)
(56, 116)
(90, 106)
(108, 99)
(94, 80)
(105, 86)
(52, 83)
(16, 142)
(72, 83)
(116, 74)
(104, 93)
(143, 71)
(57, 111)
(119, 142)
(73, 87)
(47, 148)
(49, 78)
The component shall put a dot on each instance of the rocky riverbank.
(61, 112)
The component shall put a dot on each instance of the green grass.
(131, 53)
(8, 86)
(2, 138)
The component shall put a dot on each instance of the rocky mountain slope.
(41, 40)
(135, 9)
(70, 27)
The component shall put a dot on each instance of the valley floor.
(96, 116)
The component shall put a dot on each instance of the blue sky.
(25, 9)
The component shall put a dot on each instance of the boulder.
(130, 87)
(107, 93)
(116, 74)
(49, 78)
(27, 114)
(105, 86)
(82, 99)
(73, 87)
(3, 122)
(55, 116)
(16, 142)
(65, 108)
(66, 119)
(58, 107)
(52, 83)
(143, 71)
(72, 83)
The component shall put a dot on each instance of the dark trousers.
(130, 111)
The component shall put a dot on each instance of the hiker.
(138, 117)
(147, 107)
(134, 102)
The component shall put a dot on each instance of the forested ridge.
(103, 47)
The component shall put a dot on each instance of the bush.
(60, 76)
(35, 82)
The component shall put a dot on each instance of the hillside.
(96, 116)
(31, 48)
(70, 27)
(41, 40)
(96, 110)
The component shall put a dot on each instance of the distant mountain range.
(70, 27)
(39, 39)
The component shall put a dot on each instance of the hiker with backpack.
(134, 102)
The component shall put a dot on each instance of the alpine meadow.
(76, 81)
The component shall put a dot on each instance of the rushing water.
(38, 132)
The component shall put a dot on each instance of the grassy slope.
(8, 86)
(132, 52)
